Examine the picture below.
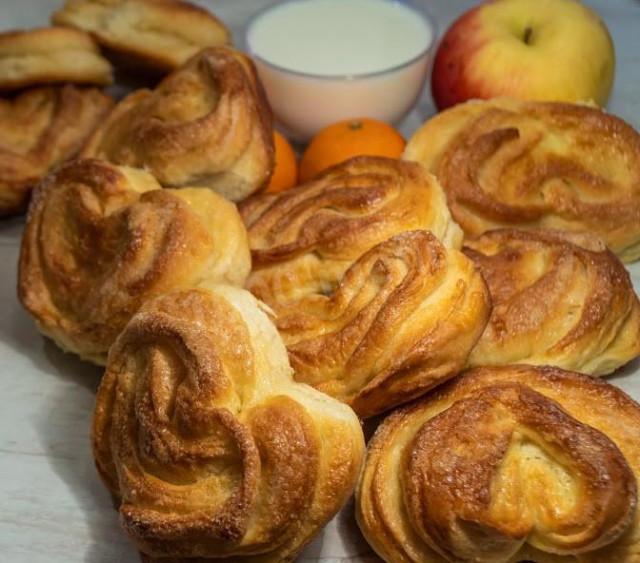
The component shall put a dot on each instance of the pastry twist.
(51, 55)
(206, 124)
(528, 165)
(212, 448)
(39, 129)
(102, 239)
(158, 35)
(402, 319)
(506, 464)
(558, 298)
(304, 240)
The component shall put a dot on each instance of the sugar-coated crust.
(374, 310)
(158, 35)
(39, 129)
(529, 165)
(100, 240)
(212, 448)
(559, 298)
(206, 124)
(506, 464)
(402, 320)
(51, 55)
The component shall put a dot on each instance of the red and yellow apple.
(557, 50)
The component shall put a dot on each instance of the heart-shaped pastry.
(213, 449)
(101, 239)
(506, 464)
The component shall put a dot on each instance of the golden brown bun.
(207, 124)
(402, 320)
(304, 240)
(39, 129)
(506, 464)
(156, 34)
(213, 449)
(101, 239)
(559, 298)
(51, 55)
(529, 165)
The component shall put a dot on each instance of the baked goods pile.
(245, 343)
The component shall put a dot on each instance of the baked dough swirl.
(213, 449)
(207, 124)
(558, 298)
(506, 464)
(102, 239)
(528, 165)
(304, 240)
(39, 129)
(158, 35)
(402, 319)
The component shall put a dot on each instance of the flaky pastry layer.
(506, 464)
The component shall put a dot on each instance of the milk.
(326, 60)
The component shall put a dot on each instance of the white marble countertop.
(54, 509)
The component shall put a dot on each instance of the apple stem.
(528, 31)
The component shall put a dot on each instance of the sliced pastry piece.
(158, 35)
(100, 240)
(529, 165)
(402, 320)
(212, 448)
(51, 55)
(206, 124)
(305, 239)
(559, 298)
(506, 464)
(39, 129)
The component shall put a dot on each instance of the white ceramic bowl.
(305, 99)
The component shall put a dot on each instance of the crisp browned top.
(303, 240)
(528, 165)
(39, 129)
(211, 446)
(558, 298)
(159, 34)
(101, 239)
(505, 464)
(401, 320)
(207, 124)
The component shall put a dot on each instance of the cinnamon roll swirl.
(157, 35)
(402, 319)
(506, 464)
(206, 124)
(305, 239)
(558, 298)
(39, 129)
(529, 165)
(212, 449)
(101, 239)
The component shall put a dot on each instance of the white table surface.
(53, 507)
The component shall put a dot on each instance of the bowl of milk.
(322, 61)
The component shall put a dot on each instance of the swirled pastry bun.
(559, 298)
(156, 34)
(100, 240)
(506, 464)
(305, 239)
(402, 320)
(529, 165)
(213, 449)
(207, 124)
(39, 129)
(51, 55)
